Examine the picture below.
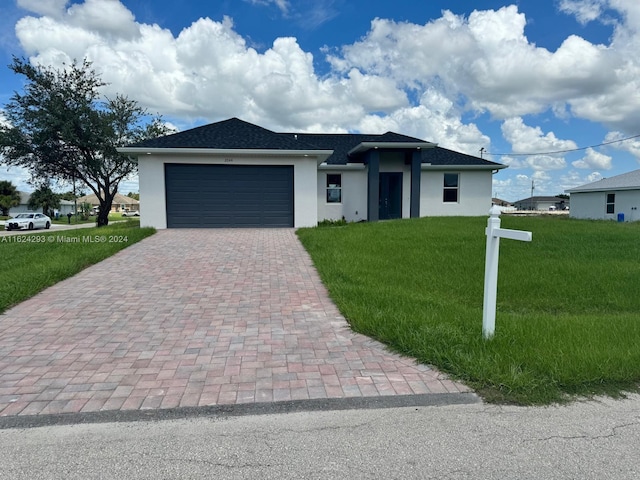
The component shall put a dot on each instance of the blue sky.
(527, 77)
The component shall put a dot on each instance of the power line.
(561, 151)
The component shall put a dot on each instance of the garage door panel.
(229, 195)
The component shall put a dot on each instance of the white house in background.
(236, 174)
(614, 198)
(65, 206)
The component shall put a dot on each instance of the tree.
(44, 198)
(135, 196)
(69, 196)
(9, 197)
(58, 128)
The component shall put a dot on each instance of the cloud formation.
(428, 80)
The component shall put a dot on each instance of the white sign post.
(494, 234)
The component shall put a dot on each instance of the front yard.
(568, 313)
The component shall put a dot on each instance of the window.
(334, 188)
(611, 203)
(450, 192)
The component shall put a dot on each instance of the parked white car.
(28, 221)
(131, 213)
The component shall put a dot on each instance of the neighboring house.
(504, 205)
(236, 174)
(65, 206)
(542, 203)
(614, 198)
(120, 203)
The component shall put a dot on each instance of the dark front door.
(390, 205)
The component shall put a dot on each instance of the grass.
(29, 267)
(568, 312)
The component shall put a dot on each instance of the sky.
(550, 88)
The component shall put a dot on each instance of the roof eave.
(428, 166)
(601, 189)
(321, 155)
(365, 146)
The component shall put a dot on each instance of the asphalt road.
(588, 440)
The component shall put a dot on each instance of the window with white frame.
(611, 203)
(334, 188)
(451, 187)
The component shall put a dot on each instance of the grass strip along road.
(32, 262)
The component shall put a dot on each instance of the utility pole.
(532, 189)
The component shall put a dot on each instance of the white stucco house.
(65, 206)
(236, 174)
(613, 198)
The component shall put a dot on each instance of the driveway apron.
(189, 318)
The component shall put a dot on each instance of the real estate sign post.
(494, 234)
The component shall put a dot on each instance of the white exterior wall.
(354, 195)
(153, 208)
(593, 205)
(474, 193)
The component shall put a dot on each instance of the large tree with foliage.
(44, 198)
(59, 128)
(9, 197)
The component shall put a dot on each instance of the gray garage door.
(229, 195)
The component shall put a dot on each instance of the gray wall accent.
(373, 187)
(416, 161)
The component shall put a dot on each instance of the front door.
(390, 203)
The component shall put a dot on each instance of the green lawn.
(35, 261)
(568, 313)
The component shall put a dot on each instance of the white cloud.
(538, 146)
(585, 11)
(632, 145)
(419, 79)
(51, 8)
(283, 5)
(593, 160)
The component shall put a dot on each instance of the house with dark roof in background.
(613, 198)
(236, 174)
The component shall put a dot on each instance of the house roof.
(542, 199)
(625, 181)
(341, 148)
(118, 199)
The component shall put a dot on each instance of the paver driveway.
(194, 318)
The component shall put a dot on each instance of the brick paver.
(194, 318)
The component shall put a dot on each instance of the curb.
(236, 410)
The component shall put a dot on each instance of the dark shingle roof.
(443, 157)
(237, 134)
(229, 134)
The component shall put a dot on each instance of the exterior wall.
(354, 196)
(22, 208)
(153, 210)
(474, 193)
(592, 205)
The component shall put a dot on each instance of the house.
(542, 203)
(121, 203)
(236, 174)
(614, 198)
(65, 206)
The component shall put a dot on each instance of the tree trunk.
(102, 219)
